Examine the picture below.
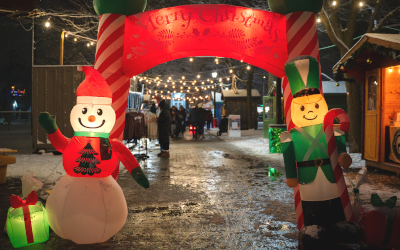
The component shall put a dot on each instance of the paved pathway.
(210, 194)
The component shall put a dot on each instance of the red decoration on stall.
(255, 36)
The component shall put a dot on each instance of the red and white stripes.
(333, 155)
(109, 51)
(302, 39)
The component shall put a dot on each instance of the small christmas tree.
(87, 161)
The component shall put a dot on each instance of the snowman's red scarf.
(104, 139)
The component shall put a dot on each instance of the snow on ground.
(253, 144)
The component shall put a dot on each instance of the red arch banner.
(255, 36)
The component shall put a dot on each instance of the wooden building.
(236, 104)
(374, 62)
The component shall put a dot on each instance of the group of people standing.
(178, 121)
(198, 117)
(172, 122)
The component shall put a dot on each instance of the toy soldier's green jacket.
(307, 146)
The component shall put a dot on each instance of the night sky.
(16, 50)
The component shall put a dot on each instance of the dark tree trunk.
(354, 111)
(250, 119)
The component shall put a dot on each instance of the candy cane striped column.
(302, 39)
(108, 61)
(333, 155)
(110, 45)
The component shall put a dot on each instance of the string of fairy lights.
(155, 86)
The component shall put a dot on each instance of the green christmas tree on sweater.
(87, 161)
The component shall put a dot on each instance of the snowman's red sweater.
(75, 151)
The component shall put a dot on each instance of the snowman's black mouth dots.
(79, 119)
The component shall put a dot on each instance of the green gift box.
(27, 221)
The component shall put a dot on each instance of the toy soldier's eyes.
(99, 112)
(316, 106)
(84, 110)
(302, 108)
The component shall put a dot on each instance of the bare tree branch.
(374, 15)
(386, 19)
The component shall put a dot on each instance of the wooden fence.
(53, 91)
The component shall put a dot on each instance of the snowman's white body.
(86, 210)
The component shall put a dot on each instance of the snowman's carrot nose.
(91, 118)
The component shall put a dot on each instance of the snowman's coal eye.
(99, 111)
(302, 108)
(316, 106)
(84, 110)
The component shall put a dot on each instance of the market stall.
(374, 62)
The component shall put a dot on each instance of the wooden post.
(62, 48)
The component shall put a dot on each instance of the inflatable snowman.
(87, 205)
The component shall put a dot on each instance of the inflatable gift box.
(380, 224)
(27, 221)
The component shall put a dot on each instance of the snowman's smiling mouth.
(79, 119)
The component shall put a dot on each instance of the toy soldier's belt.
(316, 163)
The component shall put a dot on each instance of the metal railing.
(8, 115)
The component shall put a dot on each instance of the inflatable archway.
(131, 41)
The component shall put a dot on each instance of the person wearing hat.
(164, 129)
(200, 120)
(153, 108)
(307, 161)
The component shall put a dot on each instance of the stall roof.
(239, 93)
(391, 41)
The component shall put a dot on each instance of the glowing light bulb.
(173, 83)
(88, 44)
(91, 43)
(183, 77)
(318, 20)
(184, 83)
(66, 34)
(75, 39)
(334, 3)
(164, 85)
(169, 78)
(361, 4)
(173, 87)
(202, 83)
(390, 70)
(230, 71)
(198, 76)
(191, 59)
(248, 67)
(47, 24)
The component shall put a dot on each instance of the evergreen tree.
(87, 161)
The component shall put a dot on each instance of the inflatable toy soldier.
(308, 160)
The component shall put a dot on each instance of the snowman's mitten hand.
(140, 177)
(48, 122)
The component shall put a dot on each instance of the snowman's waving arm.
(58, 140)
(130, 162)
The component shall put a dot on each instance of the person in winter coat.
(201, 119)
(164, 129)
(153, 108)
(180, 121)
(208, 118)
(174, 114)
(193, 120)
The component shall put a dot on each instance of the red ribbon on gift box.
(17, 202)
